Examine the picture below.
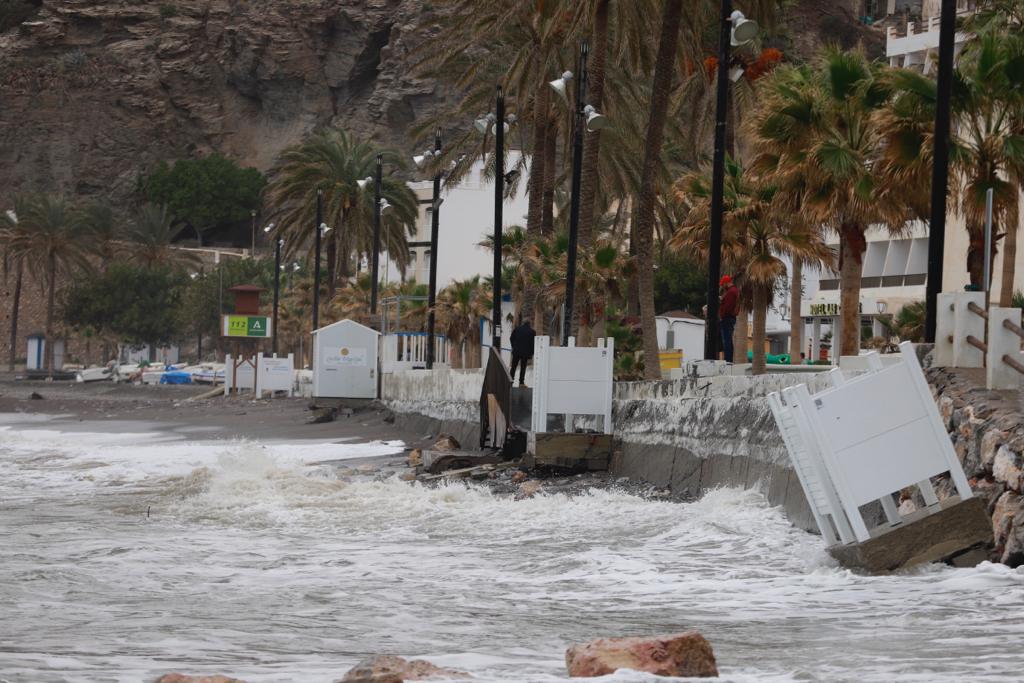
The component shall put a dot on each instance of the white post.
(945, 328)
(228, 375)
(1002, 342)
(258, 379)
(968, 323)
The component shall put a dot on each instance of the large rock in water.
(680, 654)
(182, 678)
(392, 669)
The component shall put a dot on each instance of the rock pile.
(681, 654)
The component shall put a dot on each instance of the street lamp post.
(499, 199)
(316, 263)
(277, 293)
(434, 228)
(734, 29)
(252, 252)
(378, 181)
(940, 168)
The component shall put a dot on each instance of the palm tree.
(757, 230)
(151, 233)
(52, 244)
(334, 162)
(818, 140)
(10, 226)
(352, 301)
(461, 306)
(99, 222)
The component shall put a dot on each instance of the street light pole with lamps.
(585, 117)
(735, 29)
(435, 219)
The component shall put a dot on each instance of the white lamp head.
(736, 73)
(324, 228)
(384, 205)
(296, 267)
(743, 30)
(12, 216)
(483, 123)
(364, 182)
(269, 228)
(595, 120)
(561, 85)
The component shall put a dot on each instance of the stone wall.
(987, 429)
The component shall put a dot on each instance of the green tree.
(152, 233)
(206, 296)
(205, 193)
(52, 243)
(680, 283)
(149, 315)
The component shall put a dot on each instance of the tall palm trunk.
(547, 221)
(592, 141)
(15, 306)
(796, 322)
(51, 284)
(540, 135)
(1010, 250)
(760, 314)
(668, 45)
(851, 269)
(740, 333)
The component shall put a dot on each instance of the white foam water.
(256, 560)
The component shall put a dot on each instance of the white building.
(466, 219)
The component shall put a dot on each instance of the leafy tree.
(206, 295)
(205, 193)
(149, 315)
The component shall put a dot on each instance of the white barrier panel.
(239, 373)
(572, 380)
(275, 374)
(1002, 342)
(866, 438)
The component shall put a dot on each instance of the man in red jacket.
(728, 309)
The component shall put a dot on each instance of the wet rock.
(366, 469)
(392, 669)
(1008, 467)
(1004, 515)
(519, 476)
(446, 443)
(680, 654)
(528, 489)
(415, 458)
(408, 476)
(322, 415)
(181, 678)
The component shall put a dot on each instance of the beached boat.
(95, 374)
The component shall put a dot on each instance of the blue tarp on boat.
(176, 377)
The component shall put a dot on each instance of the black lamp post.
(378, 180)
(499, 199)
(734, 29)
(316, 263)
(940, 168)
(434, 227)
(277, 292)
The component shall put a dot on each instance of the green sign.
(250, 326)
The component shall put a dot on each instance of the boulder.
(392, 669)
(528, 489)
(1007, 508)
(990, 443)
(1008, 467)
(519, 476)
(182, 678)
(680, 654)
(415, 458)
(446, 443)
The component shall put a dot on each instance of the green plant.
(1018, 299)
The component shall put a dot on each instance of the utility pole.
(378, 181)
(277, 291)
(316, 264)
(940, 169)
(434, 229)
(499, 198)
(574, 210)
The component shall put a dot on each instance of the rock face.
(392, 669)
(96, 92)
(682, 654)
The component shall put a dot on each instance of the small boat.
(94, 374)
(207, 373)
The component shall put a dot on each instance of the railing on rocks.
(969, 336)
(408, 351)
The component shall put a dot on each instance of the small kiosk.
(345, 361)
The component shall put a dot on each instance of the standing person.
(728, 309)
(522, 349)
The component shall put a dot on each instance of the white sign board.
(275, 374)
(345, 357)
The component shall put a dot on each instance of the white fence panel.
(408, 351)
(572, 380)
(239, 373)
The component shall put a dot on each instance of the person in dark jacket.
(728, 309)
(522, 349)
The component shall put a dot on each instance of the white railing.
(864, 439)
(408, 351)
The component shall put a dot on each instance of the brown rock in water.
(182, 678)
(528, 489)
(446, 443)
(415, 458)
(680, 654)
(392, 669)
(519, 477)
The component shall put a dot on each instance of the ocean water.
(255, 560)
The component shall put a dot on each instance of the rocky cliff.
(94, 92)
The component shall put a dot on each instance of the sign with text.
(247, 326)
(346, 355)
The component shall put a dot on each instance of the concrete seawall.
(688, 435)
